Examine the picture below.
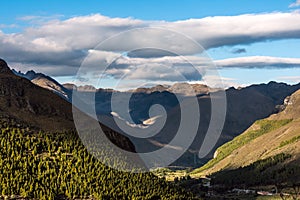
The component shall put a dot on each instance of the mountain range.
(244, 107)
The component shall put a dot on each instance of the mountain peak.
(30, 74)
(4, 67)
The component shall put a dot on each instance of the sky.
(249, 41)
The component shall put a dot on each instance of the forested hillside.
(57, 166)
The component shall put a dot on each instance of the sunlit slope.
(277, 134)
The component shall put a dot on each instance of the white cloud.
(243, 29)
(39, 19)
(215, 81)
(296, 4)
(259, 62)
(167, 68)
(293, 79)
(8, 26)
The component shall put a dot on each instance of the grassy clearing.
(225, 150)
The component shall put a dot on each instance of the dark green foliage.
(193, 185)
(259, 173)
(51, 166)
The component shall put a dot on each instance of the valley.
(39, 151)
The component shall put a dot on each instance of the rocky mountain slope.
(45, 81)
(21, 99)
(32, 105)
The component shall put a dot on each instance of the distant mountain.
(84, 88)
(46, 82)
(148, 90)
(177, 88)
(182, 88)
(271, 145)
(35, 106)
(69, 86)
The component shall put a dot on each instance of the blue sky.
(169, 10)
(18, 16)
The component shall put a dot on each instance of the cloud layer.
(59, 46)
(259, 62)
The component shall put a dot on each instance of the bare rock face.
(291, 107)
